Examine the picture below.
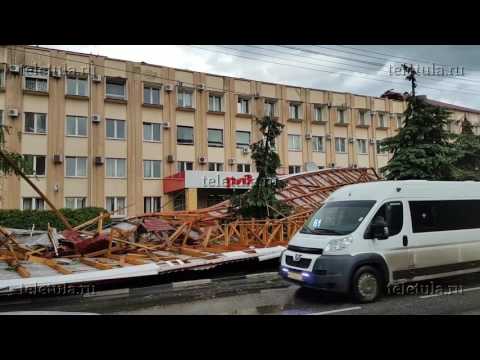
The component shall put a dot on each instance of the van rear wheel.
(366, 284)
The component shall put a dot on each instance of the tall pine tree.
(422, 149)
(261, 202)
(468, 151)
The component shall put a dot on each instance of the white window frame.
(115, 167)
(2, 119)
(77, 158)
(291, 111)
(319, 141)
(182, 165)
(2, 78)
(151, 125)
(36, 74)
(35, 156)
(35, 202)
(193, 136)
(181, 91)
(399, 121)
(342, 116)
(382, 120)
(77, 87)
(116, 121)
(243, 167)
(273, 106)
(211, 105)
(240, 108)
(217, 166)
(114, 96)
(319, 113)
(295, 168)
(156, 87)
(298, 139)
(365, 116)
(151, 200)
(377, 148)
(76, 117)
(359, 146)
(115, 205)
(215, 144)
(35, 123)
(340, 141)
(150, 164)
(242, 145)
(76, 200)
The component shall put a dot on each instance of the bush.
(24, 219)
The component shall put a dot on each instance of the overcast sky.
(356, 68)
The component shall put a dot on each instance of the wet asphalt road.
(259, 294)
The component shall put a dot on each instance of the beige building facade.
(107, 132)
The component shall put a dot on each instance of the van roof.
(379, 190)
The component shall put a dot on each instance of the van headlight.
(338, 244)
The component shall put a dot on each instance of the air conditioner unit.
(170, 158)
(328, 137)
(97, 78)
(57, 159)
(14, 69)
(13, 112)
(246, 150)
(202, 160)
(202, 87)
(56, 73)
(231, 161)
(372, 141)
(99, 160)
(256, 95)
(96, 119)
(166, 125)
(308, 136)
(168, 87)
(351, 140)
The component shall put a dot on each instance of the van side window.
(392, 213)
(444, 215)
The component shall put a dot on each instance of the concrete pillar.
(191, 199)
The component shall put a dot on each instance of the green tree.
(468, 151)
(7, 157)
(260, 202)
(422, 149)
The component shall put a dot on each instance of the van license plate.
(295, 276)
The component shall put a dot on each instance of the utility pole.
(411, 76)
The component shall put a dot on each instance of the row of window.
(295, 144)
(116, 204)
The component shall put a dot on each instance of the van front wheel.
(366, 284)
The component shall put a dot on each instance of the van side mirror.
(377, 230)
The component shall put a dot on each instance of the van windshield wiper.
(328, 231)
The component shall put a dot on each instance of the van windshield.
(338, 217)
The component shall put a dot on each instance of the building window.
(399, 121)
(382, 120)
(294, 142)
(75, 202)
(363, 118)
(33, 203)
(362, 146)
(151, 95)
(340, 145)
(270, 108)
(294, 111)
(380, 151)
(152, 132)
(341, 118)
(35, 123)
(36, 84)
(185, 135)
(152, 204)
(215, 137)
(2, 78)
(243, 167)
(318, 113)
(184, 165)
(2, 121)
(76, 125)
(116, 168)
(116, 129)
(77, 86)
(212, 166)
(294, 169)
(76, 166)
(215, 103)
(179, 201)
(185, 98)
(152, 169)
(115, 88)
(243, 138)
(116, 205)
(35, 165)
(317, 143)
(243, 106)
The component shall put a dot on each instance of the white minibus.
(369, 236)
